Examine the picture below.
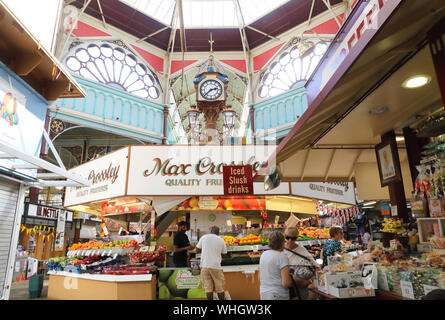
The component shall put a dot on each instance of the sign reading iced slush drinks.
(238, 180)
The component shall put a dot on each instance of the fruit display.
(230, 240)
(250, 239)
(142, 254)
(103, 245)
(392, 225)
(313, 233)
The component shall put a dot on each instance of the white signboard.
(188, 170)
(49, 213)
(60, 233)
(107, 177)
(342, 192)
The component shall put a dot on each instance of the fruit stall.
(107, 269)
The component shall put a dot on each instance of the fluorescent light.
(370, 203)
(400, 138)
(416, 81)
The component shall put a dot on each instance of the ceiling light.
(416, 81)
(370, 203)
(378, 110)
(400, 138)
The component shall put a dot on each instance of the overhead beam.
(330, 164)
(152, 34)
(351, 172)
(102, 14)
(263, 33)
(304, 163)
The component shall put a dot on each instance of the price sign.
(83, 267)
(255, 248)
(394, 211)
(249, 223)
(407, 289)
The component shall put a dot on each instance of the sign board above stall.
(237, 180)
(107, 177)
(342, 192)
(49, 213)
(188, 170)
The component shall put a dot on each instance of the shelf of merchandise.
(424, 222)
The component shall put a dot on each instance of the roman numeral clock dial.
(211, 90)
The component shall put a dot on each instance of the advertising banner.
(107, 177)
(179, 283)
(48, 213)
(188, 170)
(222, 203)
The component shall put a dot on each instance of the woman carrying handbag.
(302, 266)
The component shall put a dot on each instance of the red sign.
(238, 180)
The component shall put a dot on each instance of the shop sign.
(367, 20)
(48, 213)
(185, 280)
(237, 180)
(342, 192)
(107, 177)
(188, 170)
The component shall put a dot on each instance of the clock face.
(211, 89)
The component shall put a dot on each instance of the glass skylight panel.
(161, 10)
(255, 9)
(209, 13)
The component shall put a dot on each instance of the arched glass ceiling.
(207, 13)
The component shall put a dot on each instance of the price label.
(109, 252)
(255, 248)
(277, 218)
(407, 289)
(427, 289)
(115, 255)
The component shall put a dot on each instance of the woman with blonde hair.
(302, 265)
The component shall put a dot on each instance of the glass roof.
(207, 13)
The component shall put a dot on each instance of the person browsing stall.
(302, 265)
(212, 247)
(275, 279)
(181, 244)
(332, 246)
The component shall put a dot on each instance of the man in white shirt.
(212, 247)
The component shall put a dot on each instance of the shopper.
(181, 244)
(302, 265)
(275, 279)
(212, 247)
(332, 246)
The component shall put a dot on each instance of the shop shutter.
(8, 204)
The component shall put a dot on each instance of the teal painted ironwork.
(109, 103)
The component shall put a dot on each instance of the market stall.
(128, 194)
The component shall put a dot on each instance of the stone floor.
(19, 291)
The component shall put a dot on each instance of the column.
(396, 189)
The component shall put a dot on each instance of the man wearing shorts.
(212, 247)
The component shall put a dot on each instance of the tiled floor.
(19, 291)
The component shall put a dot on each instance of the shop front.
(142, 193)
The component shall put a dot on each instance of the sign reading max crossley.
(238, 180)
(107, 177)
(189, 170)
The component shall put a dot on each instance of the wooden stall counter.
(243, 281)
(72, 286)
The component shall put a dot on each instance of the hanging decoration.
(47, 232)
(264, 216)
(337, 216)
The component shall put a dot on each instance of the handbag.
(294, 294)
(311, 268)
